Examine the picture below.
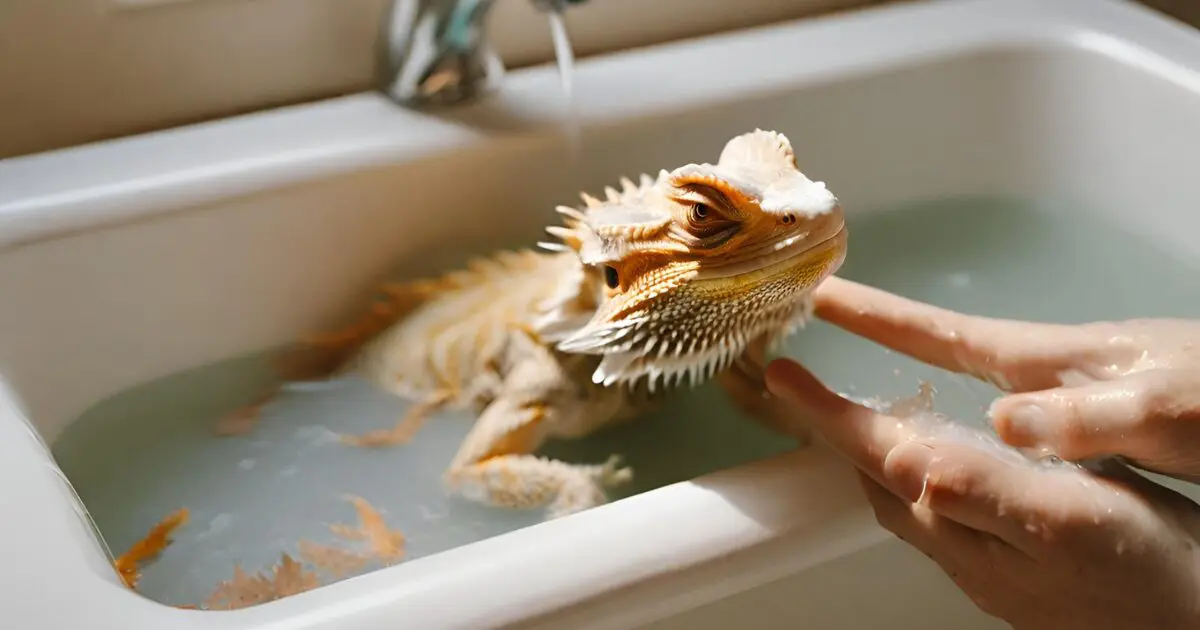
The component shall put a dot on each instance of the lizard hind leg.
(496, 465)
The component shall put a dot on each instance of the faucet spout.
(434, 53)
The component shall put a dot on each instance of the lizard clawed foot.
(610, 475)
(527, 481)
(577, 496)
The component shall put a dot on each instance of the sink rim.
(293, 149)
(126, 179)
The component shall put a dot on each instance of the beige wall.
(73, 71)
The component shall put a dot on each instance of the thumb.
(1150, 418)
(786, 379)
(859, 433)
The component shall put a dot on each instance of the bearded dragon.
(688, 276)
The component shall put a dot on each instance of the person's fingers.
(971, 559)
(966, 555)
(1013, 355)
(934, 535)
(857, 432)
(1149, 418)
(1012, 500)
(976, 489)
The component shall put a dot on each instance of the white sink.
(129, 260)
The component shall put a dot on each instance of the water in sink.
(147, 451)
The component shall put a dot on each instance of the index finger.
(1013, 355)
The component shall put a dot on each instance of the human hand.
(1128, 388)
(1040, 548)
(1043, 548)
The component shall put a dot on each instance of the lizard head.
(688, 268)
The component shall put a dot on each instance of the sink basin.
(955, 133)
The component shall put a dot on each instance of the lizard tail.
(321, 356)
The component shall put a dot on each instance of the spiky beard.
(691, 335)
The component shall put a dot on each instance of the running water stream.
(565, 57)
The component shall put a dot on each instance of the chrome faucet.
(434, 52)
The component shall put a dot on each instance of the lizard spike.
(645, 180)
(482, 265)
(611, 194)
(591, 201)
(570, 213)
(553, 247)
(594, 340)
(614, 333)
(653, 341)
(628, 186)
(560, 232)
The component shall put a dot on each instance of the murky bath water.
(147, 451)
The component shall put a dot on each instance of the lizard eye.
(610, 277)
(699, 213)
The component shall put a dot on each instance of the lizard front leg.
(746, 385)
(496, 464)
